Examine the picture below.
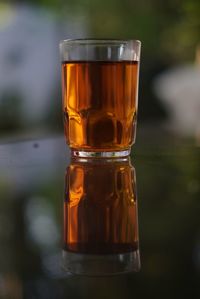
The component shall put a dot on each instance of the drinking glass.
(100, 95)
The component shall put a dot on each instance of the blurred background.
(33, 154)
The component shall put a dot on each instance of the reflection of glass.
(100, 217)
(100, 86)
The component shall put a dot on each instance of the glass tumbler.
(100, 95)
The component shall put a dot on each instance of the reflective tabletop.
(53, 207)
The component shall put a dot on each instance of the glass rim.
(98, 41)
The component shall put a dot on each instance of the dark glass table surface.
(31, 221)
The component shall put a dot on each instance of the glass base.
(89, 154)
(101, 265)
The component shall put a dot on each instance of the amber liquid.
(100, 208)
(100, 104)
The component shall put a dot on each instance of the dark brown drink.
(100, 104)
(100, 208)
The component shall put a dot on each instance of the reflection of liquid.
(100, 208)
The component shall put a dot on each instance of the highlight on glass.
(100, 95)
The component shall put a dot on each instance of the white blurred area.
(29, 56)
(179, 91)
